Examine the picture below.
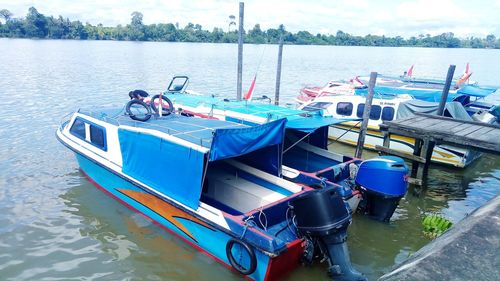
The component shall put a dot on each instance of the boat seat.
(237, 192)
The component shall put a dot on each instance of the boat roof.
(194, 130)
(296, 119)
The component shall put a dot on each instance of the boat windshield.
(315, 106)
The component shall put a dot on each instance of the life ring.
(238, 267)
(165, 111)
(136, 117)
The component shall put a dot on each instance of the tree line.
(36, 25)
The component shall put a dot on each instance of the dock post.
(424, 152)
(278, 72)
(366, 115)
(446, 89)
(240, 52)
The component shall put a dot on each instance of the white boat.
(352, 106)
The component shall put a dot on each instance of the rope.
(350, 129)
(248, 223)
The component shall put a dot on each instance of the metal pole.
(278, 72)
(446, 89)
(240, 52)
(366, 115)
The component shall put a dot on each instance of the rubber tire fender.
(232, 260)
(133, 116)
(165, 111)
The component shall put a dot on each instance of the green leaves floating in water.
(434, 225)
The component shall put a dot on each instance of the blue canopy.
(311, 123)
(175, 165)
(229, 143)
(475, 91)
(301, 120)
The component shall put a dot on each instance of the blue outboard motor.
(383, 182)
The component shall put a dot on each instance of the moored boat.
(470, 94)
(388, 109)
(198, 179)
(306, 158)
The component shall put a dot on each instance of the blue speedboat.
(199, 179)
(306, 157)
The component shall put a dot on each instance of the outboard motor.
(323, 215)
(383, 182)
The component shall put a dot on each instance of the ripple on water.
(54, 225)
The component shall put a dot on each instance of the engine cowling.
(383, 182)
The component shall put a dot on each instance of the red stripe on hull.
(286, 262)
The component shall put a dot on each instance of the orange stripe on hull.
(167, 211)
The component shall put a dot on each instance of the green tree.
(255, 35)
(5, 14)
(35, 24)
(232, 21)
(136, 27)
(490, 41)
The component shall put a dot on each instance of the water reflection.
(132, 241)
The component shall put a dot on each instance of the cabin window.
(97, 136)
(78, 129)
(344, 108)
(375, 112)
(315, 106)
(359, 111)
(388, 113)
(89, 132)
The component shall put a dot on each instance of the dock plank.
(468, 131)
(480, 132)
(471, 134)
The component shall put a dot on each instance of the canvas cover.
(409, 108)
(176, 169)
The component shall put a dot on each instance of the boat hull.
(442, 154)
(194, 231)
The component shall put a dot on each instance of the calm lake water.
(54, 224)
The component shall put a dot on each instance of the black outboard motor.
(383, 182)
(322, 214)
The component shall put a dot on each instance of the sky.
(358, 17)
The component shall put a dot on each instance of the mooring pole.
(446, 89)
(366, 115)
(278, 72)
(240, 52)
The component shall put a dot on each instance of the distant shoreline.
(246, 43)
(38, 26)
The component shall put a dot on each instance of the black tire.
(136, 117)
(234, 263)
(165, 111)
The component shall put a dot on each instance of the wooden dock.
(429, 130)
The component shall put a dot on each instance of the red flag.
(410, 71)
(248, 95)
(467, 68)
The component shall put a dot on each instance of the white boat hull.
(442, 154)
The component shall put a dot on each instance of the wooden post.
(278, 72)
(424, 151)
(446, 89)
(366, 115)
(387, 140)
(240, 52)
